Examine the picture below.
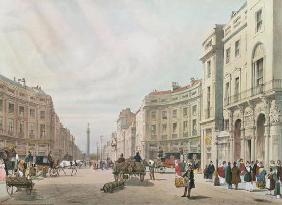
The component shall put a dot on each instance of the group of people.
(253, 173)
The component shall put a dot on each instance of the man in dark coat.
(211, 170)
(279, 170)
(228, 176)
(137, 157)
(191, 183)
(235, 175)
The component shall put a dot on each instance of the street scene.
(140, 102)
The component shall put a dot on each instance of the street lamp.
(216, 179)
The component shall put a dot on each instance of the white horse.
(68, 164)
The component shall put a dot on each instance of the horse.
(6, 154)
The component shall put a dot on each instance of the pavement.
(84, 188)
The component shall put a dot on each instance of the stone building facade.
(252, 83)
(28, 120)
(125, 139)
(169, 121)
(212, 92)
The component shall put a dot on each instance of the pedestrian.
(242, 168)
(121, 158)
(235, 175)
(28, 159)
(152, 169)
(191, 181)
(248, 177)
(137, 157)
(261, 176)
(221, 173)
(206, 172)
(270, 182)
(177, 168)
(228, 176)
(211, 170)
(279, 179)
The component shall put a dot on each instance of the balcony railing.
(274, 85)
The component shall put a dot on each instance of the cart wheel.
(10, 190)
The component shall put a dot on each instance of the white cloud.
(95, 57)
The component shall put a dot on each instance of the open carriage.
(128, 168)
(16, 182)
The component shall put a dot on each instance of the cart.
(124, 170)
(13, 182)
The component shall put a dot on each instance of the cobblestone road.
(84, 188)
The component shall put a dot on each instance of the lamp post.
(216, 179)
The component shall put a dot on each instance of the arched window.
(258, 66)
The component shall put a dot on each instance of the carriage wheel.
(28, 190)
(142, 176)
(10, 190)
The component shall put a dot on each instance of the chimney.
(175, 85)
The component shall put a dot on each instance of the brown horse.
(6, 154)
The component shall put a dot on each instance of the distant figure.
(228, 176)
(28, 159)
(235, 175)
(121, 159)
(152, 169)
(50, 159)
(137, 157)
(191, 184)
(211, 170)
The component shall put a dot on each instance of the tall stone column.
(243, 149)
(267, 131)
(231, 136)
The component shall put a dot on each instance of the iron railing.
(274, 85)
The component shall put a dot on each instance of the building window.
(11, 126)
(237, 84)
(209, 69)
(174, 113)
(11, 108)
(164, 115)
(208, 102)
(153, 129)
(32, 113)
(164, 127)
(42, 115)
(258, 20)
(42, 130)
(1, 123)
(227, 55)
(174, 127)
(31, 130)
(185, 125)
(194, 110)
(194, 124)
(21, 111)
(259, 72)
(227, 98)
(237, 48)
(185, 112)
(1, 105)
(21, 128)
(226, 124)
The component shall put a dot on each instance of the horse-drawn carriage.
(128, 168)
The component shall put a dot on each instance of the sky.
(96, 57)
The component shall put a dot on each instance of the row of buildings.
(29, 121)
(233, 112)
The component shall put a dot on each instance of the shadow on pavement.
(160, 179)
(136, 182)
(199, 197)
(262, 200)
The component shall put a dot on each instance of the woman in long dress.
(248, 177)
(261, 176)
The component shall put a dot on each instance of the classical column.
(231, 136)
(253, 140)
(267, 132)
(243, 149)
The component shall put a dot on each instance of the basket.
(181, 182)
